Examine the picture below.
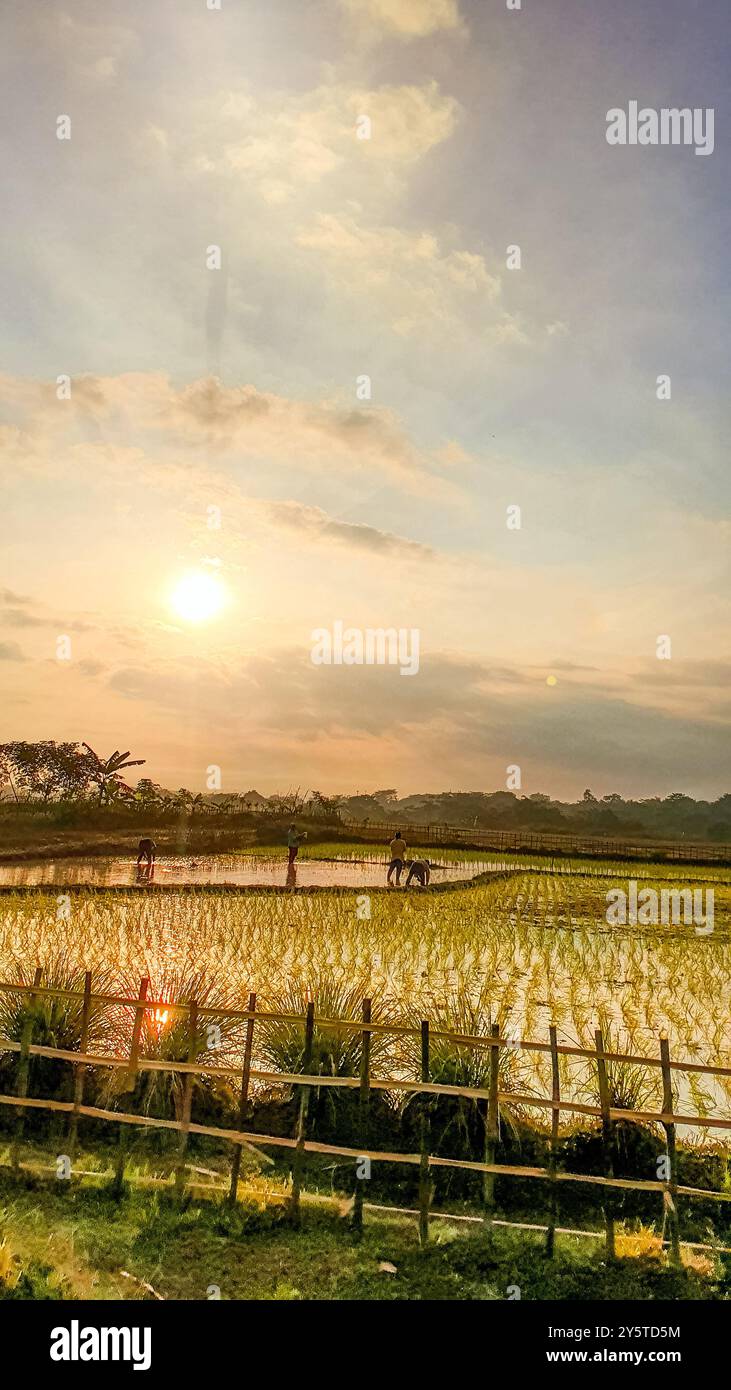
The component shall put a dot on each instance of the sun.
(198, 596)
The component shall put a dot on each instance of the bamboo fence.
(545, 842)
(492, 1098)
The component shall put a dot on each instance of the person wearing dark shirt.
(418, 869)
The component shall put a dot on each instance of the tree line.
(47, 772)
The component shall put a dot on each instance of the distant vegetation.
(670, 817)
(47, 774)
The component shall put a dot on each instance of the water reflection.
(244, 870)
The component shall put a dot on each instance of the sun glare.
(198, 596)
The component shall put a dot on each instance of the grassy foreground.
(62, 1241)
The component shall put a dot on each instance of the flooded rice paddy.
(523, 949)
(244, 871)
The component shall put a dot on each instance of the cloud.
(419, 284)
(9, 596)
(458, 722)
(315, 523)
(688, 673)
(10, 651)
(317, 435)
(283, 145)
(406, 18)
(85, 439)
(90, 51)
(18, 617)
(264, 423)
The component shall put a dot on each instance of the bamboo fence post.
(604, 1101)
(424, 1134)
(555, 1118)
(300, 1132)
(187, 1097)
(492, 1127)
(364, 1104)
(26, 1038)
(80, 1071)
(131, 1077)
(670, 1197)
(243, 1098)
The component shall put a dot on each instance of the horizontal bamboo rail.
(92, 1112)
(431, 1088)
(471, 1093)
(475, 1040)
(544, 842)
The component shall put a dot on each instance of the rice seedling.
(55, 1022)
(166, 1036)
(334, 1052)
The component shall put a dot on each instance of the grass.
(74, 1241)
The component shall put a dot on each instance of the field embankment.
(77, 1241)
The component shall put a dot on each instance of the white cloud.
(408, 18)
(418, 283)
(285, 145)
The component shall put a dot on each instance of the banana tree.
(104, 772)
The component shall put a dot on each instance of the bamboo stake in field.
(424, 1136)
(670, 1198)
(26, 1038)
(605, 1102)
(243, 1098)
(131, 1077)
(80, 1072)
(300, 1133)
(552, 1154)
(492, 1127)
(363, 1112)
(187, 1098)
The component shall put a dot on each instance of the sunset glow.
(197, 597)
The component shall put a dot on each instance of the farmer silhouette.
(398, 855)
(418, 869)
(294, 840)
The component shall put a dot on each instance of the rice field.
(524, 949)
(242, 870)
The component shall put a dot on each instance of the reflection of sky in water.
(238, 869)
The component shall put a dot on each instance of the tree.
(117, 790)
(45, 770)
(104, 772)
(150, 793)
(291, 804)
(386, 797)
(328, 806)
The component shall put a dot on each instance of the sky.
(261, 327)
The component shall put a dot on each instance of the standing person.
(294, 840)
(398, 855)
(147, 850)
(420, 870)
